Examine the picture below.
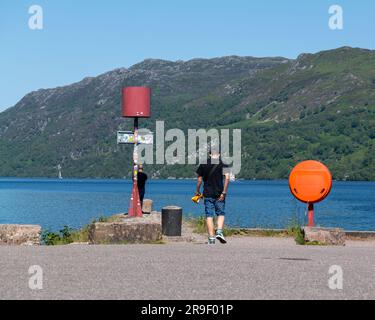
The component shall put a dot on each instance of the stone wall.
(129, 230)
(27, 235)
(325, 236)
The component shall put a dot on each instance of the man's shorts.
(214, 206)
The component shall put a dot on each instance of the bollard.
(171, 221)
(147, 206)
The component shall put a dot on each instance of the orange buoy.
(310, 182)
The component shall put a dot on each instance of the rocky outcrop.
(325, 236)
(26, 235)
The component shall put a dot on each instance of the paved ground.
(246, 268)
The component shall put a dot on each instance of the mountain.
(318, 106)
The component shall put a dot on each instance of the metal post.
(135, 209)
(310, 215)
(135, 152)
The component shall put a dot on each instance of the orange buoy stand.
(310, 182)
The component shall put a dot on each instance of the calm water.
(54, 203)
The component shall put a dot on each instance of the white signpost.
(128, 137)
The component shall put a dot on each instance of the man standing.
(141, 180)
(214, 193)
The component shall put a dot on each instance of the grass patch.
(199, 226)
(81, 235)
(295, 231)
(63, 237)
(315, 243)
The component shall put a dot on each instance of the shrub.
(296, 232)
(64, 236)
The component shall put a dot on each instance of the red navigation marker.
(136, 103)
(310, 182)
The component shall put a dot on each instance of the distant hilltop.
(319, 106)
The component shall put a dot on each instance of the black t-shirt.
(141, 180)
(213, 179)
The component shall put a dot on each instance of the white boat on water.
(59, 168)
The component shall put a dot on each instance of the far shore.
(128, 179)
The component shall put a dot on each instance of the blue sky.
(85, 38)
